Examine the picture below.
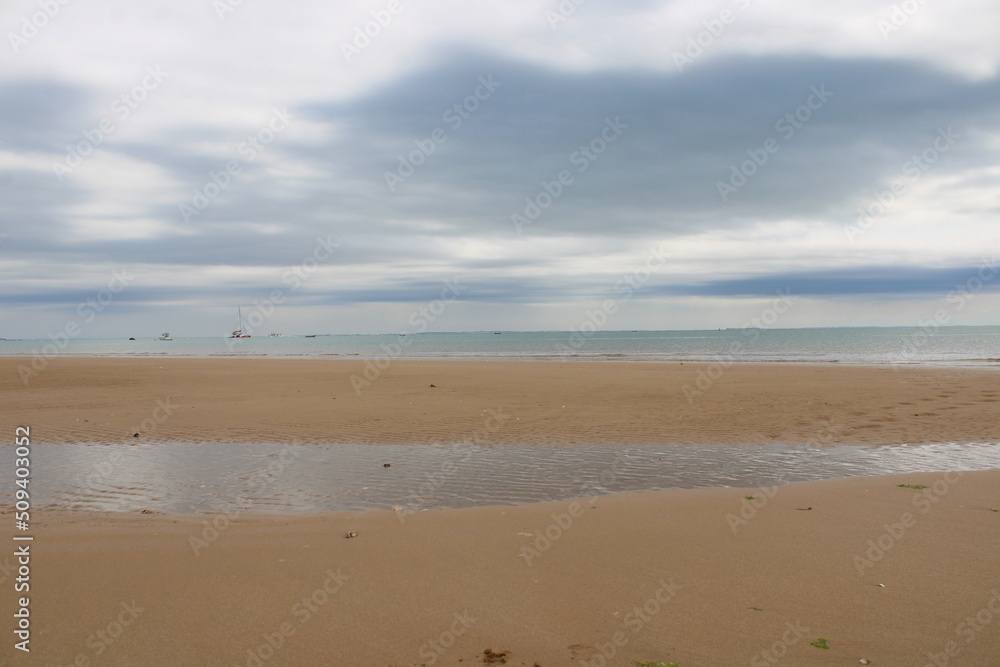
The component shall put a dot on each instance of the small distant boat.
(132, 338)
(240, 333)
(275, 334)
(310, 335)
(163, 336)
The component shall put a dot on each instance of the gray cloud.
(683, 134)
(41, 115)
(658, 180)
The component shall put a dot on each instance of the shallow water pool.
(248, 477)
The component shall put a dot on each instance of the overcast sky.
(342, 165)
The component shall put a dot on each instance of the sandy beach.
(883, 573)
(257, 400)
(818, 573)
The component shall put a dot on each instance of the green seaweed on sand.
(912, 486)
(755, 608)
(819, 643)
(636, 663)
(750, 497)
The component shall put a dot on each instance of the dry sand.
(544, 402)
(702, 577)
(707, 594)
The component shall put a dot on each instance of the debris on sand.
(491, 657)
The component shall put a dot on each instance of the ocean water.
(975, 346)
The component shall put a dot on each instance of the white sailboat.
(240, 333)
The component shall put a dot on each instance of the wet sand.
(498, 402)
(700, 577)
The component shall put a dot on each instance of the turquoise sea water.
(895, 345)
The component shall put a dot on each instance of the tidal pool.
(249, 477)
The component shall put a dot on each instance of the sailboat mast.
(240, 332)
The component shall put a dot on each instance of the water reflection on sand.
(179, 477)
